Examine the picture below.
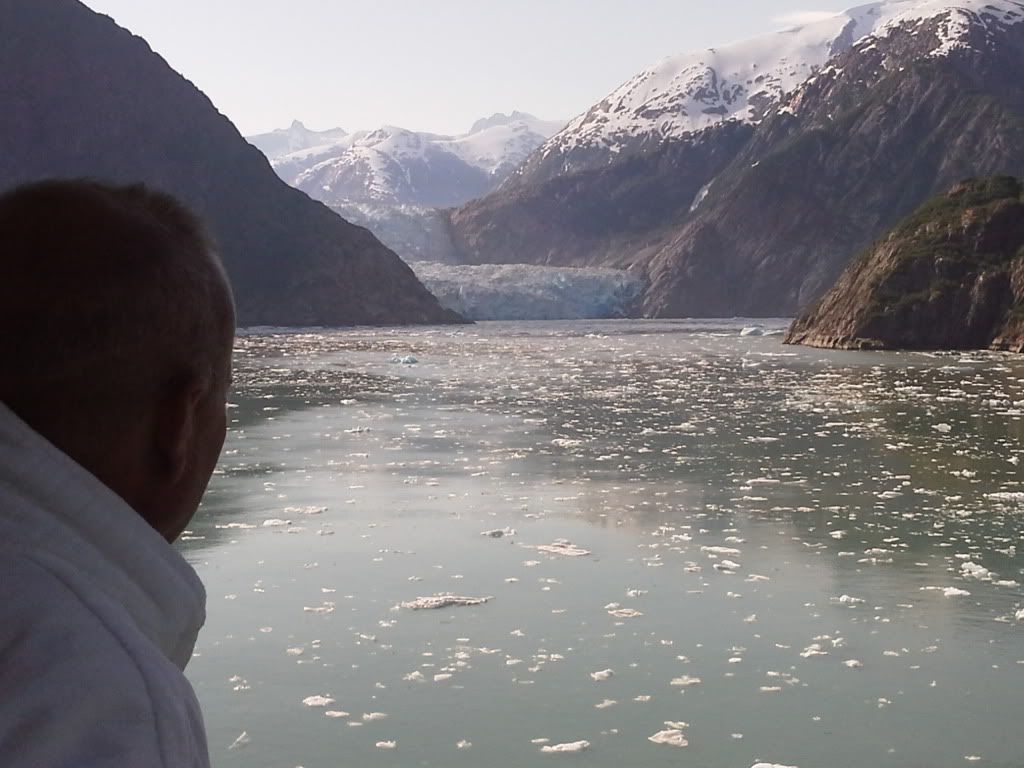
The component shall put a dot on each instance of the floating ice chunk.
(404, 360)
(814, 649)
(771, 765)
(1006, 496)
(463, 744)
(604, 674)
(499, 533)
(686, 681)
(672, 737)
(625, 613)
(440, 677)
(752, 330)
(721, 551)
(727, 566)
(387, 744)
(852, 664)
(847, 600)
(304, 511)
(572, 746)
(242, 740)
(414, 677)
(562, 547)
(276, 523)
(1019, 616)
(326, 607)
(606, 703)
(971, 570)
(751, 619)
(943, 428)
(435, 602)
(317, 701)
(955, 592)
(335, 714)
(369, 717)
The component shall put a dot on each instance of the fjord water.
(797, 556)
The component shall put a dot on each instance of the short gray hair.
(107, 293)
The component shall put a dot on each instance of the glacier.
(527, 292)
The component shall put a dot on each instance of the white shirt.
(98, 617)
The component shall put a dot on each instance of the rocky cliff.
(759, 213)
(950, 276)
(83, 97)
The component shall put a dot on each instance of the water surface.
(797, 556)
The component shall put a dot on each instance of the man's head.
(117, 326)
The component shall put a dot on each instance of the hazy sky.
(429, 64)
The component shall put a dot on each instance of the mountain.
(294, 138)
(951, 276)
(395, 166)
(740, 181)
(84, 97)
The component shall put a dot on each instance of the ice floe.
(672, 737)
(562, 547)
(317, 701)
(567, 747)
(242, 741)
(435, 602)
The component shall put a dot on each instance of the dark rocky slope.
(857, 149)
(951, 276)
(602, 216)
(788, 202)
(81, 96)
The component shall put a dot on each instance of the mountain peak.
(743, 81)
(500, 118)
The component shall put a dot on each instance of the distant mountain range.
(740, 180)
(393, 166)
(83, 97)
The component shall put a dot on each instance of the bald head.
(105, 293)
(112, 299)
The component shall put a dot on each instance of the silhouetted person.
(116, 329)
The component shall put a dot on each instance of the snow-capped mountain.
(293, 138)
(396, 166)
(740, 181)
(743, 81)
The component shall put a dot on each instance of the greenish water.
(847, 500)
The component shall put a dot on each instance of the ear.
(174, 427)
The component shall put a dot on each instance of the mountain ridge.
(391, 165)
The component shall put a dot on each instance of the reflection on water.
(796, 556)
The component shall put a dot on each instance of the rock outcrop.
(81, 96)
(951, 276)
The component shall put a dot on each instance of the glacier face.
(527, 292)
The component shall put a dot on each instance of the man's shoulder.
(84, 675)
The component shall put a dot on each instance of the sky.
(430, 65)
